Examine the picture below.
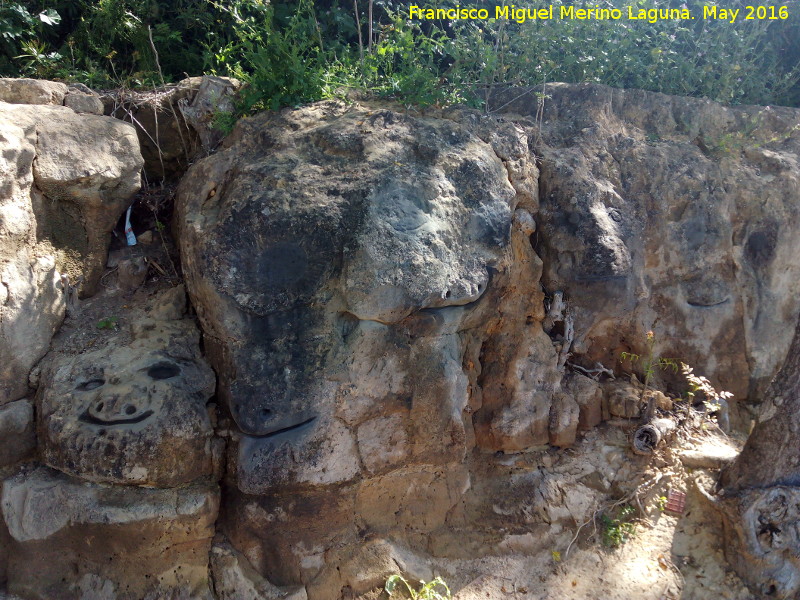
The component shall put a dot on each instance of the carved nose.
(112, 408)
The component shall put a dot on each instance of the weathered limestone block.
(75, 540)
(133, 413)
(31, 313)
(589, 396)
(529, 382)
(293, 295)
(17, 432)
(564, 415)
(236, 579)
(214, 96)
(658, 212)
(367, 570)
(286, 537)
(411, 499)
(512, 365)
(82, 102)
(32, 91)
(624, 399)
(91, 165)
(66, 178)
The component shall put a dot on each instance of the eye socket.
(91, 384)
(130, 409)
(163, 370)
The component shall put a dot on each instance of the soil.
(669, 556)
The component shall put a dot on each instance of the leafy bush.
(295, 51)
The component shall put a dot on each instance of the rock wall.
(66, 179)
(407, 316)
(674, 215)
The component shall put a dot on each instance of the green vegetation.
(617, 527)
(295, 51)
(427, 591)
(649, 363)
(108, 323)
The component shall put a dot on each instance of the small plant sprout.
(617, 530)
(426, 591)
(713, 400)
(649, 364)
(107, 323)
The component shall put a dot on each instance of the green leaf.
(50, 17)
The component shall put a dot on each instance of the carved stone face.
(133, 414)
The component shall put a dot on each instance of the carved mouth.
(706, 304)
(282, 430)
(92, 420)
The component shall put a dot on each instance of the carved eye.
(163, 370)
(91, 385)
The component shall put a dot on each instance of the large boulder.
(74, 540)
(66, 179)
(326, 231)
(133, 412)
(32, 91)
(335, 255)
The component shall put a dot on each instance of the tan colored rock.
(32, 91)
(523, 420)
(383, 443)
(589, 396)
(564, 414)
(624, 399)
(88, 167)
(647, 222)
(71, 539)
(66, 178)
(132, 413)
(235, 579)
(411, 499)
(33, 311)
(132, 273)
(367, 570)
(660, 399)
(285, 537)
(82, 102)
(215, 96)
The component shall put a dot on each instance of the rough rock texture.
(32, 91)
(335, 256)
(66, 178)
(409, 317)
(82, 102)
(73, 540)
(675, 215)
(368, 283)
(17, 432)
(235, 579)
(131, 413)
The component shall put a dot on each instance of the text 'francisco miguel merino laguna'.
(633, 13)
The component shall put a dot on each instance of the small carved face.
(130, 396)
(132, 414)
